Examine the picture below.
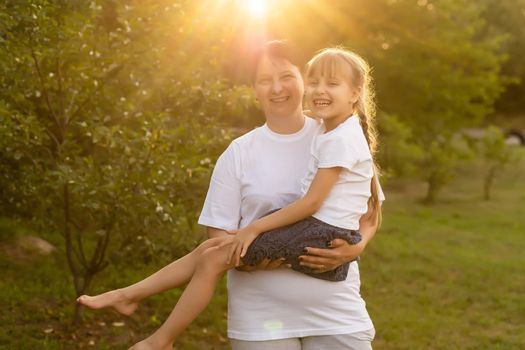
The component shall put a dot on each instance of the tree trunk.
(85, 282)
(487, 183)
(434, 186)
(79, 311)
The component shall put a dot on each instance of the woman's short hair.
(275, 49)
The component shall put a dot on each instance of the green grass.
(446, 276)
(450, 275)
(36, 295)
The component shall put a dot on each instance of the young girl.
(340, 187)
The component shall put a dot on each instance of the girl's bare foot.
(116, 299)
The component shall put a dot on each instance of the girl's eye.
(333, 83)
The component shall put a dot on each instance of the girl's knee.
(209, 243)
(213, 259)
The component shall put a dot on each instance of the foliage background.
(113, 112)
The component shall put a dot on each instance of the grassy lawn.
(37, 303)
(446, 276)
(451, 275)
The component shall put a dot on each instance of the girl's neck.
(332, 123)
(286, 125)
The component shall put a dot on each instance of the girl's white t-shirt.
(346, 147)
(261, 171)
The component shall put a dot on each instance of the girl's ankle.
(126, 295)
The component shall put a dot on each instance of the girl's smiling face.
(330, 93)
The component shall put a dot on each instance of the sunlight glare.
(255, 8)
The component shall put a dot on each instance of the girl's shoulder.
(348, 132)
(347, 139)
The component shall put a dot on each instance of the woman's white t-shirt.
(261, 171)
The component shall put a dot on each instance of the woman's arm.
(322, 260)
(322, 184)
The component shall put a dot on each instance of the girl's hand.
(240, 243)
(322, 260)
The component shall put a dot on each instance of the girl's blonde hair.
(341, 62)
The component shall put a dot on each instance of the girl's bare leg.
(125, 300)
(194, 299)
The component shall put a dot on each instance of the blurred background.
(113, 112)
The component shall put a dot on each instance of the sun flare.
(255, 8)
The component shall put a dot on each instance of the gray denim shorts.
(289, 242)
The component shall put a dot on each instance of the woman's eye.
(333, 83)
(287, 76)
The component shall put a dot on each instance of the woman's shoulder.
(247, 139)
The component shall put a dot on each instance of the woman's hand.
(265, 264)
(240, 243)
(322, 260)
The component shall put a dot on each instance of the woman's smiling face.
(278, 87)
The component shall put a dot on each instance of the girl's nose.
(320, 89)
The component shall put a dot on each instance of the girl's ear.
(354, 95)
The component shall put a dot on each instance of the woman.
(259, 172)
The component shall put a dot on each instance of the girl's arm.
(216, 232)
(304, 207)
(266, 264)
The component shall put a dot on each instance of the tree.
(496, 155)
(507, 18)
(110, 121)
(436, 71)
(436, 67)
(397, 153)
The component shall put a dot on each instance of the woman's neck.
(286, 125)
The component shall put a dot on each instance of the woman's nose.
(277, 86)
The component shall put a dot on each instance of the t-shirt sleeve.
(341, 150)
(222, 207)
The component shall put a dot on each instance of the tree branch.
(67, 236)
(44, 90)
(107, 78)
